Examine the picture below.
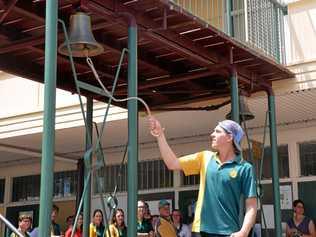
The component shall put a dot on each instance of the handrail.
(8, 223)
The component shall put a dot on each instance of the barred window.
(152, 174)
(308, 158)
(65, 184)
(27, 188)
(2, 188)
(189, 180)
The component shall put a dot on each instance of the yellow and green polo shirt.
(221, 186)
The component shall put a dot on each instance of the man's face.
(54, 215)
(25, 224)
(140, 209)
(219, 138)
(164, 211)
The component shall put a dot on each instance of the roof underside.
(181, 59)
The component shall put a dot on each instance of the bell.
(244, 112)
(81, 39)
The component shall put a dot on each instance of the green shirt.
(144, 226)
(221, 187)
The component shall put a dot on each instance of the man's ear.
(230, 137)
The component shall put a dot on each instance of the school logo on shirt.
(233, 173)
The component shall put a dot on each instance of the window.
(152, 174)
(27, 188)
(2, 186)
(65, 184)
(189, 180)
(307, 192)
(283, 162)
(308, 158)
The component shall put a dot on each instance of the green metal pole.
(274, 162)
(229, 18)
(48, 142)
(87, 197)
(234, 96)
(132, 129)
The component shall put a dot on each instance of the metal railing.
(11, 227)
(256, 23)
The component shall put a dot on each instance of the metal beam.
(132, 128)
(9, 7)
(32, 152)
(274, 163)
(87, 180)
(48, 144)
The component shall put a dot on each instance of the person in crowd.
(164, 226)
(224, 177)
(34, 232)
(143, 226)
(55, 227)
(300, 225)
(182, 229)
(69, 221)
(117, 227)
(25, 222)
(97, 226)
(78, 228)
(154, 219)
(147, 215)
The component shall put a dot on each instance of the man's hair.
(24, 216)
(55, 208)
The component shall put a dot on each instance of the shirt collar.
(237, 159)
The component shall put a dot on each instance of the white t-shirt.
(184, 232)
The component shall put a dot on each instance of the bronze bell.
(244, 112)
(81, 39)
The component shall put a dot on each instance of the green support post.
(229, 18)
(274, 163)
(48, 142)
(87, 197)
(132, 129)
(234, 96)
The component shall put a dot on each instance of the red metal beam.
(8, 9)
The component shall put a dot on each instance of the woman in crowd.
(78, 230)
(182, 229)
(300, 225)
(117, 227)
(97, 226)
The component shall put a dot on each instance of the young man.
(164, 226)
(25, 223)
(224, 177)
(144, 227)
(55, 227)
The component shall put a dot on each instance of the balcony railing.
(256, 23)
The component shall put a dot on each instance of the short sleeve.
(249, 182)
(191, 164)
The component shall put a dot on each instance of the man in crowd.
(164, 226)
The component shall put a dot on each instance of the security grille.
(257, 23)
(152, 174)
